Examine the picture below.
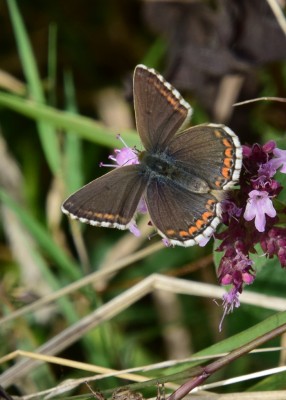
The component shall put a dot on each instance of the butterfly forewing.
(211, 152)
(109, 201)
(160, 110)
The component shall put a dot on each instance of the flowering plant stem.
(207, 371)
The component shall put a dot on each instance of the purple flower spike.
(133, 228)
(279, 160)
(267, 170)
(258, 187)
(236, 269)
(259, 205)
(273, 243)
(166, 242)
(142, 206)
(269, 146)
(246, 151)
(230, 301)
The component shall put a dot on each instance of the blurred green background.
(65, 92)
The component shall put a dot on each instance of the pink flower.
(230, 301)
(259, 205)
(279, 160)
(133, 228)
(125, 156)
(121, 157)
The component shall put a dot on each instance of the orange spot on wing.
(184, 234)
(109, 216)
(192, 230)
(228, 152)
(200, 223)
(210, 205)
(169, 96)
(225, 172)
(227, 143)
(228, 162)
(206, 216)
(218, 133)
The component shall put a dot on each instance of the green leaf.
(52, 64)
(217, 255)
(73, 148)
(82, 126)
(42, 237)
(48, 136)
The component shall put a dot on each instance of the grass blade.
(85, 127)
(47, 134)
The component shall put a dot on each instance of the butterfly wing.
(183, 217)
(109, 201)
(211, 152)
(160, 110)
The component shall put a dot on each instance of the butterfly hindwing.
(181, 216)
(211, 152)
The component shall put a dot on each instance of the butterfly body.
(181, 175)
(163, 168)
